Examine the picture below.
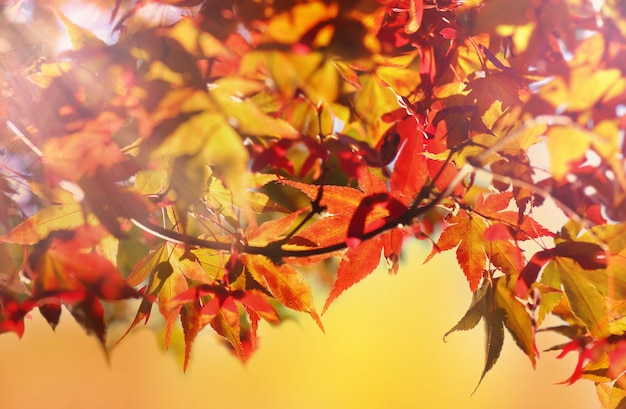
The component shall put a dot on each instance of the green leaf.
(617, 397)
(146, 266)
(474, 313)
(494, 339)
(158, 276)
(231, 96)
(484, 305)
(586, 301)
(227, 323)
(151, 181)
(516, 318)
(612, 281)
(215, 142)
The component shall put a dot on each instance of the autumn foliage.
(209, 159)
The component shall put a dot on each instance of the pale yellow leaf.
(38, 226)
(565, 145)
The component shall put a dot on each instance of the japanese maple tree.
(215, 156)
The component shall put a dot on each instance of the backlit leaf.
(586, 301)
(466, 232)
(286, 284)
(227, 324)
(158, 276)
(494, 339)
(169, 285)
(374, 100)
(273, 230)
(565, 145)
(410, 171)
(475, 312)
(79, 36)
(338, 200)
(190, 319)
(516, 318)
(357, 264)
(89, 313)
(51, 313)
(47, 220)
(58, 264)
(244, 114)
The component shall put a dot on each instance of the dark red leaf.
(52, 313)
(589, 256)
(357, 227)
(530, 273)
(89, 313)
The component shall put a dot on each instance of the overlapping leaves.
(249, 141)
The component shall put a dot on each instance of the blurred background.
(383, 348)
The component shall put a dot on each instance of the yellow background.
(383, 348)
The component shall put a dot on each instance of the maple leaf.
(82, 153)
(384, 104)
(482, 307)
(588, 350)
(358, 227)
(12, 314)
(89, 314)
(60, 267)
(339, 203)
(363, 257)
(363, 214)
(410, 170)
(566, 146)
(466, 232)
(60, 263)
(530, 272)
(79, 36)
(406, 139)
(218, 306)
(563, 267)
(232, 97)
(189, 316)
(274, 156)
(285, 283)
(474, 232)
(160, 273)
(226, 323)
(496, 305)
(42, 223)
(169, 269)
(586, 301)
(272, 230)
(358, 263)
(516, 318)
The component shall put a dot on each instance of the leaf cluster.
(212, 163)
